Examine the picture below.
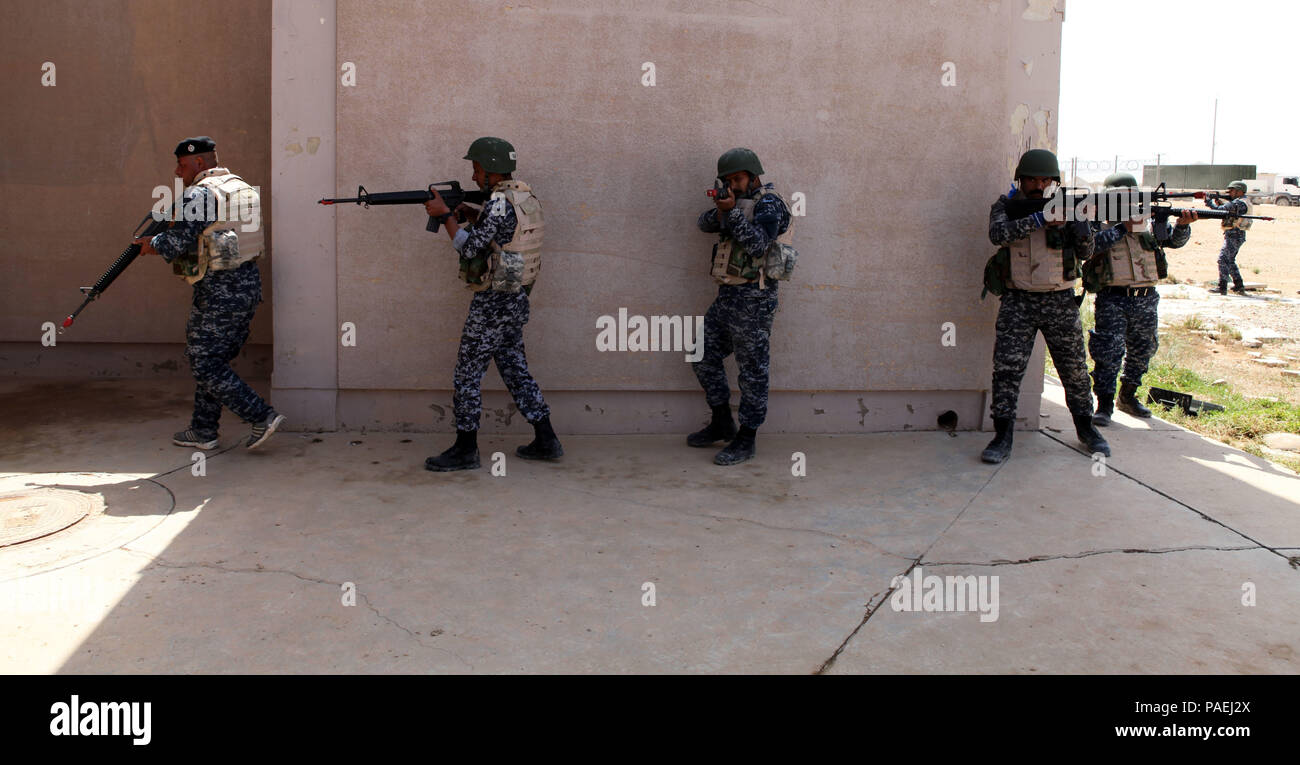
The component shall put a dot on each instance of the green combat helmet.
(736, 160)
(1038, 163)
(496, 155)
(1120, 179)
(1238, 185)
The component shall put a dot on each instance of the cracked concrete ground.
(247, 567)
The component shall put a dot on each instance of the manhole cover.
(39, 512)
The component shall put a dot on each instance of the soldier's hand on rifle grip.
(435, 207)
(725, 204)
(146, 245)
(1187, 218)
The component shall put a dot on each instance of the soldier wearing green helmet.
(1038, 260)
(500, 257)
(1127, 262)
(750, 218)
(1234, 236)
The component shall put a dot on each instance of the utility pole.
(1157, 169)
(1214, 131)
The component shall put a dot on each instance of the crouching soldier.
(1038, 261)
(500, 255)
(748, 216)
(1128, 261)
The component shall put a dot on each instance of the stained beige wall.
(78, 163)
(843, 101)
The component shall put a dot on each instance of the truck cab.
(1274, 188)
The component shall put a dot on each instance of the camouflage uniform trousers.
(1022, 315)
(1126, 332)
(223, 307)
(1233, 238)
(739, 321)
(494, 331)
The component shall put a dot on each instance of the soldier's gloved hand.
(146, 245)
(1052, 215)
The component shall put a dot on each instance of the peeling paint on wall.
(1041, 119)
(1026, 136)
(1040, 10)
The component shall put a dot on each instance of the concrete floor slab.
(1118, 613)
(1253, 496)
(247, 566)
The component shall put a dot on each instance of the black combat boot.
(1223, 286)
(463, 455)
(1089, 436)
(1105, 408)
(1000, 447)
(740, 449)
(1238, 286)
(545, 445)
(1128, 402)
(721, 428)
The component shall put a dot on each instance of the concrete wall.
(80, 160)
(843, 101)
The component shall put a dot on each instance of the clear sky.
(1139, 77)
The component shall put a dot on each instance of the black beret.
(196, 145)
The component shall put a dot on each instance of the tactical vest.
(1132, 262)
(515, 265)
(731, 263)
(1040, 262)
(224, 244)
(1239, 223)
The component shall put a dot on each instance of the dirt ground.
(1219, 357)
(1270, 255)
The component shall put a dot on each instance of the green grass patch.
(1243, 422)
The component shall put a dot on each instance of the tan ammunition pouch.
(1036, 267)
(731, 264)
(516, 264)
(225, 244)
(1239, 223)
(1133, 261)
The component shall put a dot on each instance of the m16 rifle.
(453, 196)
(151, 225)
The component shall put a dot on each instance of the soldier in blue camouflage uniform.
(494, 329)
(1127, 307)
(1233, 238)
(223, 305)
(1048, 307)
(740, 319)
